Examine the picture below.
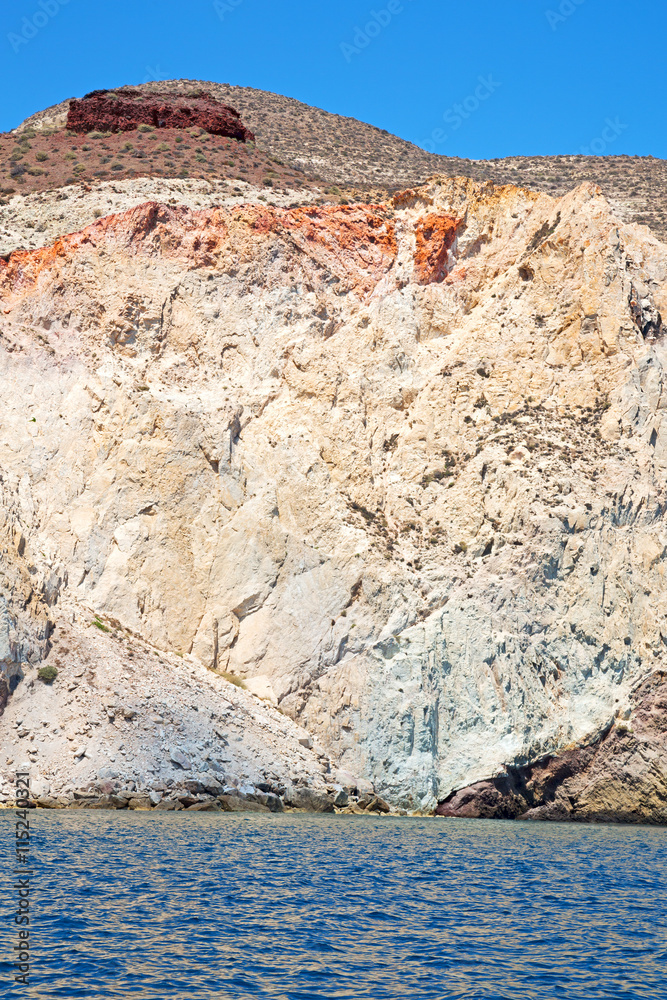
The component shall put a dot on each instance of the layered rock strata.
(399, 467)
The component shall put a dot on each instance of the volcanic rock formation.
(400, 467)
(620, 777)
(125, 110)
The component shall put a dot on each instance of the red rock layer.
(108, 111)
(435, 238)
(352, 246)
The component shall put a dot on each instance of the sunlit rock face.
(401, 467)
(126, 110)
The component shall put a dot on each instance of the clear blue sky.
(560, 76)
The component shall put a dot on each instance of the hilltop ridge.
(343, 152)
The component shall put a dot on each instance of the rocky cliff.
(398, 467)
(620, 776)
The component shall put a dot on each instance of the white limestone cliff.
(409, 488)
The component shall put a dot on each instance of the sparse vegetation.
(233, 679)
(47, 674)
(352, 161)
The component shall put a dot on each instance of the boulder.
(310, 800)
(340, 798)
(234, 803)
(179, 758)
(139, 802)
(168, 805)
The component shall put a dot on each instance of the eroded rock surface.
(620, 777)
(125, 110)
(400, 467)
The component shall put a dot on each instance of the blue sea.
(178, 906)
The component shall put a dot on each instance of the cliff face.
(619, 777)
(401, 467)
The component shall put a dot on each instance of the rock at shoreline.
(619, 778)
(310, 800)
(234, 803)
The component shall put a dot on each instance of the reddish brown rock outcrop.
(619, 778)
(435, 238)
(125, 110)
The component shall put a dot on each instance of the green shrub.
(47, 674)
(145, 128)
(41, 157)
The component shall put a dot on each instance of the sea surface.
(298, 906)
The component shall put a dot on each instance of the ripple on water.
(170, 906)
